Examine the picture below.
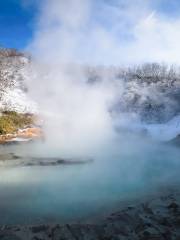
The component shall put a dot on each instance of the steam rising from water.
(70, 34)
(77, 113)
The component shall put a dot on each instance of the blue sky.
(16, 21)
(16, 24)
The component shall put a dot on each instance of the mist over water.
(70, 38)
(78, 119)
(121, 172)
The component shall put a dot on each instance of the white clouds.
(103, 33)
(157, 39)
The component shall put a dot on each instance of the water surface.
(37, 194)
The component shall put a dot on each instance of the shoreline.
(154, 218)
(23, 135)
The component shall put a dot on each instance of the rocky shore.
(154, 219)
(23, 135)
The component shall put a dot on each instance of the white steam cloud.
(70, 33)
(105, 32)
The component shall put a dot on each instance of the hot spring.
(119, 172)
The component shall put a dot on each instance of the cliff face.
(13, 91)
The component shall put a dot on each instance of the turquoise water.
(30, 195)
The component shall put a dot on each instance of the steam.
(70, 34)
(72, 39)
(105, 32)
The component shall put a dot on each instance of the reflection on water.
(67, 193)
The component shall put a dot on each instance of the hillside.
(17, 110)
(146, 97)
(151, 90)
(13, 91)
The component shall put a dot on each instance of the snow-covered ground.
(141, 103)
(159, 131)
(13, 92)
(17, 100)
(166, 131)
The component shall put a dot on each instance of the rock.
(165, 222)
(62, 233)
(147, 209)
(175, 141)
(173, 206)
(31, 132)
(151, 234)
(137, 223)
(9, 236)
(40, 228)
(23, 135)
(11, 159)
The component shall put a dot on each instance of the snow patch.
(17, 100)
(166, 131)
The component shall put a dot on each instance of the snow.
(13, 96)
(18, 139)
(16, 100)
(160, 131)
(166, 131)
